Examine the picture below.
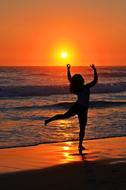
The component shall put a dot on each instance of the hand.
(93, 67)
(68, 66)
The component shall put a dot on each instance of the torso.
(83, 97)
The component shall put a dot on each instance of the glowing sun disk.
(64, 55)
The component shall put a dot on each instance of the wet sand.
(60, 166)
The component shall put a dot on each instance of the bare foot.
(46, 122)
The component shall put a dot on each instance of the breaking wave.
(22, 91)
(65, 105)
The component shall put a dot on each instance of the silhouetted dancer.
(80, 107)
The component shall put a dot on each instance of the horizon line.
(61, 66)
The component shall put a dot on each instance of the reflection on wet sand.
(95, 150)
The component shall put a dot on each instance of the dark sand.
(74, 176)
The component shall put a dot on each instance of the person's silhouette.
(80, 107)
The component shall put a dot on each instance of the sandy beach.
(60, 166)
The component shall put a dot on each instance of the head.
(77, 79)
(77, 83)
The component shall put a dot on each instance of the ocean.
(29, 95)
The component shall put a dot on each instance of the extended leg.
(69, 113)
(56, 117)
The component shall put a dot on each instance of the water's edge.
(55, 142)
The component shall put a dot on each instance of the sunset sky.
(33, 32)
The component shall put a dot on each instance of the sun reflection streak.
(66, 148)
(69, 143)
(67, 153)
(68, 157)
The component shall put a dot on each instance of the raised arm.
(68, 72)
(92, 83)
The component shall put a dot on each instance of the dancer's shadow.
(81, 153)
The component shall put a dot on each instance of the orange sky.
(32, 32)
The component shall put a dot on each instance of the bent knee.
(65, 115)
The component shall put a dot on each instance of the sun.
(64, 55)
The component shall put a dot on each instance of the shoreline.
(46, 143)
(60, 166)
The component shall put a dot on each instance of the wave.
(114, 74)
(23, 91)
(109, 87)
(66, 105)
